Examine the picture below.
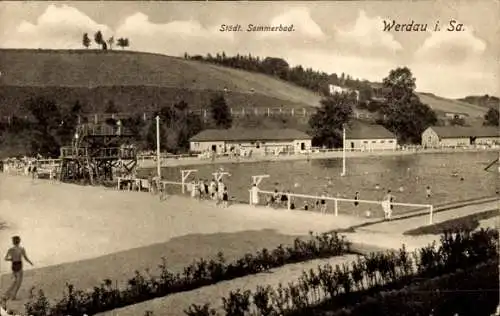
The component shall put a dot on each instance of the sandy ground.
(174, 305)
(81, 234)
(63, 222)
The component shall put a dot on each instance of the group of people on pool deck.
(280, 199)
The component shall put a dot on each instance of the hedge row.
(329, 287)
(466, 292)
(203, 272)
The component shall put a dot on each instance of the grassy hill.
(440, 104)
(135, 80)
(138, 81)
(486, 101)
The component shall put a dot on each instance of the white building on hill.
(333, 89)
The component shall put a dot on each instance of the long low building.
(259, 141)
(454, 136)
(367, 137)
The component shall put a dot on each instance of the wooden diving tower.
(98, 151)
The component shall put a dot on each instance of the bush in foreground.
(324, 290)
(201, 273)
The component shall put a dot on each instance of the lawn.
(470, 222)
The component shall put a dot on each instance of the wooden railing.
(99, 153)
(102, 130)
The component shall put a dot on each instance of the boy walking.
(16, 254)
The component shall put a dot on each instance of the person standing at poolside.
(255, 194)
(225, 198)
(356, 203)
(16, 254)
(220, 191)
(322, 203)
(387, 205)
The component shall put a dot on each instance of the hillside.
(134, 79)
(138, 81)
(440, 104)
(483, 101)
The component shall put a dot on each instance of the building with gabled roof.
(453, 136)
(362, 136)
(259, 141)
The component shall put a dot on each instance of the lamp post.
(158, 162)
(343, 151)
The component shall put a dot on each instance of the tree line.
(401, 112)
(308, 78)
(103, 43)
(50, 126)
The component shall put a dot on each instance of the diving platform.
(98, 153)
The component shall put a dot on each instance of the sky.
(331, 36)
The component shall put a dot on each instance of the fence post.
(268, 112)
(293, 112)
(304, 111)
(431, 214)
(250, 200)
(335, 204)
(288, 202)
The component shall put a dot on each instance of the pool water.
(451, 176)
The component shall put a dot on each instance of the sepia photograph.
(249, 158)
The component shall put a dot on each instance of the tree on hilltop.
(326, 124)
(99, 39)
(111, 42)
(86, 40)
(123, 42)
(404, 113)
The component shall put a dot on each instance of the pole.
(158, 161)
(343, 151)
(431, 215)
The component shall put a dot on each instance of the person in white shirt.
(255, 195)
(220, 190)
(386, 205)
(212, 189)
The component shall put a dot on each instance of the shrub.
(465, 292)
(142, 287)
(330, 287)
